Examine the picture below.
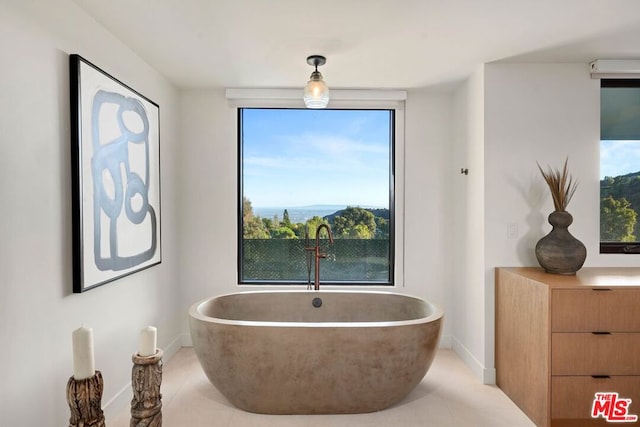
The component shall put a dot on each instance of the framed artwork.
(115, 150)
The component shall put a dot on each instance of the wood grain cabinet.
(562, 339)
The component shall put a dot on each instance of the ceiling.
(399, 44)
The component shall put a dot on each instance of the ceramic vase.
(559, 252)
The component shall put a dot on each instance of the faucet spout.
(318, 254)
(326, 227)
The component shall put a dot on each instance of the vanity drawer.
(616, 353)
(595, 309)
(572, 396)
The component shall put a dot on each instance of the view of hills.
(623, 187)
(301, 214)
(627, 186)
(377, 212)
(350, 222)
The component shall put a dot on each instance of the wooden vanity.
(561, 339)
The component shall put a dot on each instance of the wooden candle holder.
(146, 378)
(84, 398)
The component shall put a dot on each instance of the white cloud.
(619, 158)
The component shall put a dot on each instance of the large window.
(619, 166)
(300, 168)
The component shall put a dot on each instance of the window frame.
(341, 99)
(617, 247)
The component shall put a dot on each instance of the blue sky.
(619, 158)
(305, 157)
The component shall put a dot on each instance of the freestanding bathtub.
(322, 352)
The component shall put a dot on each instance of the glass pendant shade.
(316, 92)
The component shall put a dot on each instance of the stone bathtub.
(322, 352)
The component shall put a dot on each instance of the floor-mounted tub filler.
(323, 352)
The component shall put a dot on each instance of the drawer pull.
(601, 333)
(601, 376)
(600, 289)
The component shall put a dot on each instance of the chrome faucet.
(318, 254)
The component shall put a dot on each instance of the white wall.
(427, 234)
(507, 117)
(532, 112)
(38, 311)
(543, 113)
(209, 171)
(208, 256)
(468, 301)
(497, 124)
(427, 199)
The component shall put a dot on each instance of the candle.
(83, 363)
(148, 341)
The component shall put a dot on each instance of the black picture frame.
(115, 169)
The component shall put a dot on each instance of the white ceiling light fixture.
(316, 92)
(615, 69)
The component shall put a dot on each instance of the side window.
(619, 166)
(299, 168)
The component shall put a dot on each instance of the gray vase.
(559, 252)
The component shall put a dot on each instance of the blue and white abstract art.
(116, 177)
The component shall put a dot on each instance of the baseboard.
(489, 376)
(113, 407)
(185, 339)
(486, 375)
(122, 399)
(445, 341)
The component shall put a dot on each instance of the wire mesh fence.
(348, 260)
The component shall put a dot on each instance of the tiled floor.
(448, 396)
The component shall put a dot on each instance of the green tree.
(283, 233)
(360, 231)
(268, 223)
(355, 223)
(247, 209)
(253, 227)
(382, 228)
(285, 219)
(298, 228)
(312, 225)
(617, 220)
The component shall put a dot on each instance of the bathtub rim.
(436, 315)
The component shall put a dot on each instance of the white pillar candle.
(83, 363)
(148, 341)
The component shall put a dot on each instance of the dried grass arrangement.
(561, 184)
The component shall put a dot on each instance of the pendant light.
(316, 92)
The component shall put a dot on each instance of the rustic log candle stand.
(146, 378)
(84, 397)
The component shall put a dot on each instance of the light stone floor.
(448, 396)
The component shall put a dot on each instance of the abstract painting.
(115, 150)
